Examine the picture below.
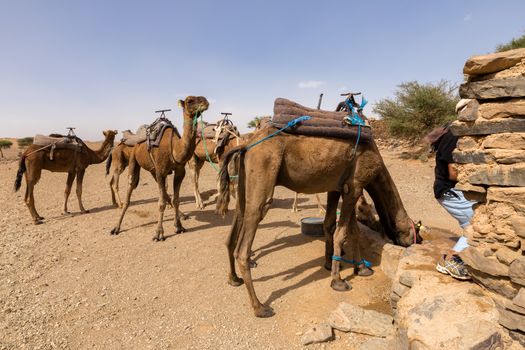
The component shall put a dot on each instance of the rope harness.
(362, 261)
(288, 125)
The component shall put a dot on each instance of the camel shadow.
(279, 244)
(209, 219)
(286, 203)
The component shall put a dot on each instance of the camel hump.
(321, 122)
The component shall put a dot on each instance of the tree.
(515, 43)
(252, 124)
(418, 108)
(4, 144)
(25, 142)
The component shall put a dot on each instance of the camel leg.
(159, 233)
(80, 180)
(133, 178)
(69, 183)
(319, 205)
(32, 177)
(195, 166)
(258, 201)
(329, 225)
(113, 184)
(231, 243)
(178, 176)
(294, 205)
(340, 236)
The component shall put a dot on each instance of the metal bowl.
(312, 226)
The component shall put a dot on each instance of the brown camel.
(309, 165)
(69, 161)
(119, 157)
(199, 158)
(171, 156)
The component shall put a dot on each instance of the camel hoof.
(67, 213)
(158, 239)
(363, 271)
(235, 281)
(38, 222)
(328, 265)
(264, 311)
(180, 230)
(340, 286)
(115, 231)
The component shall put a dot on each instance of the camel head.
(193, 106)
(407, 231)
(110, 135)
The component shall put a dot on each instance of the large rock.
(511, 195)
(468, 143)
(352, 318)
(505, 156)
(496, 175)
(475, 259)
(491, 63)
(517, 271)
(377, 344)
(494, 88)
(518, 223)
(487, 127)
(318, 334)
(499, 285)
(391, 254)
(501, 109)
(519, 299)
(513, 141)
(469, 112)
(506, 255)
(512, 320)
(470, 317)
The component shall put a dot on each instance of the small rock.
(519, 299)
(352, 318)
(318, 334)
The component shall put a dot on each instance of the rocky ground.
(69, 284)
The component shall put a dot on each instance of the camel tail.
(223, 200)
(21, 170)
(108, 163)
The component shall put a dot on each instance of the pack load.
(344, 124)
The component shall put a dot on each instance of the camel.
(35, 158)
(171, 156)
(309, 165)
(196, 163)
(119, 156)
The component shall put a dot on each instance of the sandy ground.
(69, 284)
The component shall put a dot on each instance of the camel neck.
(189, 134)
(99, 155)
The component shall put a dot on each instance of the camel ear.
(105, 133)
(115, 132)
(181, 104)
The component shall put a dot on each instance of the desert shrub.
(25, 142)
(252, 124)
(418, 108)
(515, 43)
(4, 144)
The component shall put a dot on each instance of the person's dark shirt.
(444, 147)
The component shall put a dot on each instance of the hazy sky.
(109, 64)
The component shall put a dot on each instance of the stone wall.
(491, 169)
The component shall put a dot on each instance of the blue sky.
(109, 64)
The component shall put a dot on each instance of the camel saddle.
(57, 141)
(152, 134)
(219, 133)
(321, 123)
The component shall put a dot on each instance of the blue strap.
(290, 124)
(362, 261)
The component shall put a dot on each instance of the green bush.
(25, 142)
(418, 108)
(515, 43)
(252, 124)
(4, 144)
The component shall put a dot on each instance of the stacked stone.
(491, 169)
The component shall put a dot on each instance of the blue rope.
(290, 124)
(362, 261)
(354, 119)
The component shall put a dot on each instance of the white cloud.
(310, 84)
(467, 17)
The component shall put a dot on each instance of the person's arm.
(452, 172)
